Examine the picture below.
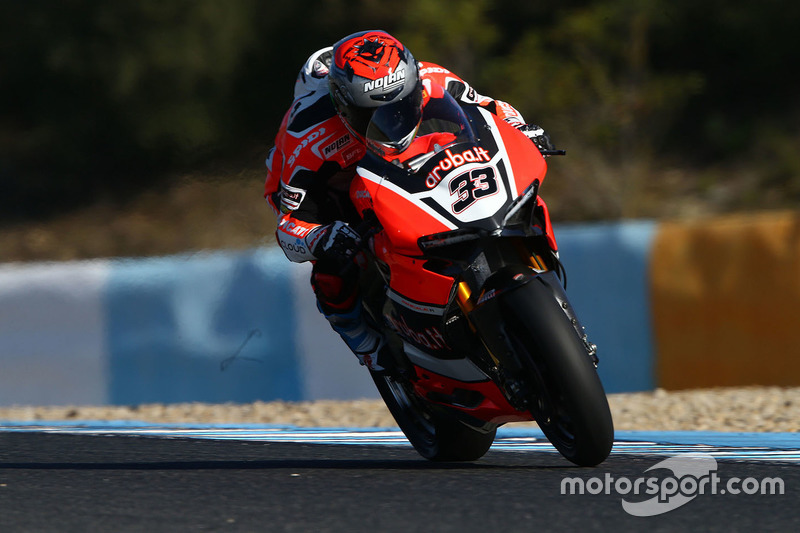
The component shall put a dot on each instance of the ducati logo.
(290, 228)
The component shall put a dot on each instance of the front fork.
(483, 310)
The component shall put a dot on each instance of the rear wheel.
(566, 396)
(433, 433)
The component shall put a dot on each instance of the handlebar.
(368, 226)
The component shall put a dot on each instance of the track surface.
(64, 482)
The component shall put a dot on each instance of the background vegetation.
(141, 127)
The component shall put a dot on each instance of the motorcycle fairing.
(479, 404)
(409, 204)
(468, 190)
(423, 330)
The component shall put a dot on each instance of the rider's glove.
(336, 242)
(536, 134)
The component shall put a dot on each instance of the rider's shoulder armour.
(314, 134)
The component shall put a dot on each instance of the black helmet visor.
(393, 126)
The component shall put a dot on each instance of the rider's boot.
(339, 301)
(364, 341)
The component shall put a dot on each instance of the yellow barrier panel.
(725, 296)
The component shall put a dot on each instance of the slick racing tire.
(567, 398)
(433, 433)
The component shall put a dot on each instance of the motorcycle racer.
(367, 92)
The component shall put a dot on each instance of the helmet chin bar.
(393, 147)
(359, 136)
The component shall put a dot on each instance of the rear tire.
(435, 434)
(567, 400)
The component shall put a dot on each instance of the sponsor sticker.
(430, 338)
(336, 145)
(433, 70)
(295, 230)
(291, 198)
(386, 82)
(313, 136)
(473, 155)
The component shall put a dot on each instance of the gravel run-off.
(751, 409)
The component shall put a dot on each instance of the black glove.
(536, 134)
(336, 242)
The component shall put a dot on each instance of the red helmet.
(375, 85)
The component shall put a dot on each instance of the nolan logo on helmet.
(386, 82)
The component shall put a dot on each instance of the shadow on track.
(286, 464)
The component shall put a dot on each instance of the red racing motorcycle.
(462, 275)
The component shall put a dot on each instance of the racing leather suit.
(310, 168)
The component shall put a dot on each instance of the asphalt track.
(65, 479)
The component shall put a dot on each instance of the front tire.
(433, 433)
(567, 400)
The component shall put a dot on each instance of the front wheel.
(566, 396)
(435, 435)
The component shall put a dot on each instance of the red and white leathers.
(313, 161)
(309, 171)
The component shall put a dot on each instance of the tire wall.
(725, 296)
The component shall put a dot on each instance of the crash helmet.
(376, 89)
